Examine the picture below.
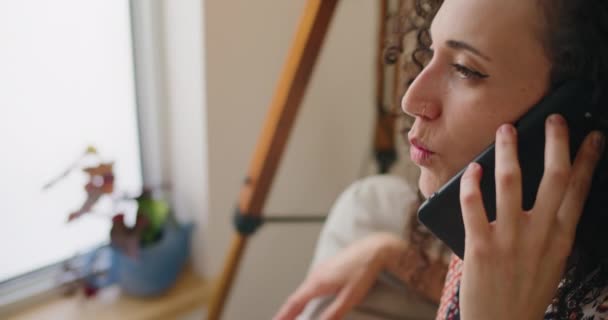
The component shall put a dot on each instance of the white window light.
(67, 79)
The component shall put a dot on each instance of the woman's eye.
(467, 73)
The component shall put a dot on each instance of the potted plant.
(147, 256)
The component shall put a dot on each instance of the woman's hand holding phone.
(512, 266)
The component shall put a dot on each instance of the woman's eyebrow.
(459, 45)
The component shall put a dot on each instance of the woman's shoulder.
(380, 193)
(380, 201)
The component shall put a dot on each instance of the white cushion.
(376, 203)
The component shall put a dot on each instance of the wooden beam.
(275, 133)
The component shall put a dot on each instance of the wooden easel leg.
(283, 109)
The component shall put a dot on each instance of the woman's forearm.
(411, 265)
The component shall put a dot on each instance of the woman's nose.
(422, 98)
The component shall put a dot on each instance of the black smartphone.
(441, 212)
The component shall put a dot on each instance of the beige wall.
(246, 43)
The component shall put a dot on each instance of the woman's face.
(488, 68)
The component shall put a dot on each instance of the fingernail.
(599, 141)
(557, 119)
(507, 129)
(473, 167)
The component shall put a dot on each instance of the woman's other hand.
(348, 275)
(512, 267)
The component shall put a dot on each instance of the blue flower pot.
(157, 266)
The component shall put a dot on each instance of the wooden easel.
(279, 121)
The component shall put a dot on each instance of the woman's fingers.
(508, 181)
(348, 297)
(556, 174)
(579, 183)
(296, 302)
(473, 212)
(349, 275)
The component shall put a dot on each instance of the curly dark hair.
(575, 38)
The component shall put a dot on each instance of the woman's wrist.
(410, 264)
(388, 248)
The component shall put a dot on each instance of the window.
(66, 82)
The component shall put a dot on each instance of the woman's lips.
(419, 153)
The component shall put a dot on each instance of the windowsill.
(190, 292)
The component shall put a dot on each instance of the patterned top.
(586, 301)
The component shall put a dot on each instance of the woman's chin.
(428, 183)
